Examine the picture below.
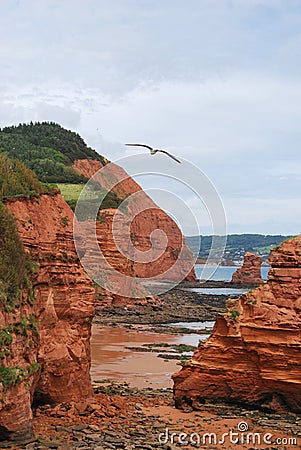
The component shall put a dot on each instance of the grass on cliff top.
(71, 192)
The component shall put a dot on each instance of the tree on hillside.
(48, 149)
(17, 179)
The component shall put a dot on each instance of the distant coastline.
(236, 247)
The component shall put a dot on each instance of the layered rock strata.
(250, 272)
(253, 353)
(63, 310)
(113, 272)
(151, 243)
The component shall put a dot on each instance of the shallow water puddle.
(113, 360)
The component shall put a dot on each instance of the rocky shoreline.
(177, 305)
(119, 417)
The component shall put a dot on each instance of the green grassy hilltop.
(47, 152)
(48, 149)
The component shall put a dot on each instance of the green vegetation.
(71, 191)
(251, 302)
(26, 327)
(93, 193)
(48, 149)
(17, 179)
(65, 221)
(5, 342)
(16, 269)
(234, 314)
(10, 376)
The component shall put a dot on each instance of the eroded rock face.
(63, 307)
(253, 353)
(153, 254)
(250, 272)
(114, 272)
(21, 353)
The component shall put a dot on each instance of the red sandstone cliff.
(250, 272)
(115, 272)
(147, 217)
(63, 307)
(253, 353)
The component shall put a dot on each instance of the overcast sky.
(217, 82)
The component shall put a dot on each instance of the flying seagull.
(155, 150)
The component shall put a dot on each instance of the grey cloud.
(215, 81)
(9, 113)
(117, 47)
(53, 113)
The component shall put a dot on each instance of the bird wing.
(168, 154)
(141, 145)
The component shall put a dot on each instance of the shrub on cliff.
(17, 179)
(15, 265)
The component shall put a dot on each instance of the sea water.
(222, 273)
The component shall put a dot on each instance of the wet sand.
(113, 360)
(117, 328)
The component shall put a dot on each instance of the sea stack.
(249, 273)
